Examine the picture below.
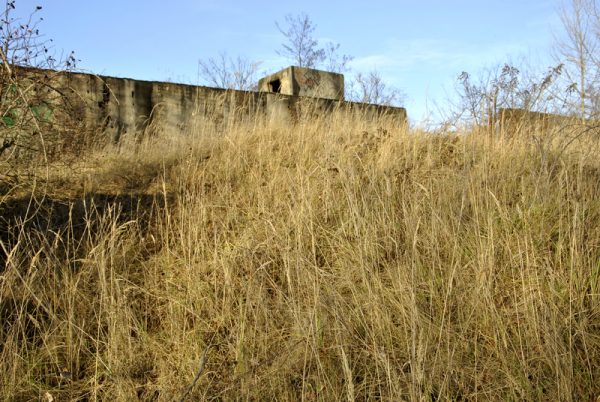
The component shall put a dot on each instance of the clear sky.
(418, 46)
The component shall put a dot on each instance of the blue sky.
(417, 46)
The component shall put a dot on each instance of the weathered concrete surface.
(511, 120)
(114, 107)
(300, 81)
(119, 105)
(293, 109)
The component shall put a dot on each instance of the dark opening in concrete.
(275, 86)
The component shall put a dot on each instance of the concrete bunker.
(301, 81)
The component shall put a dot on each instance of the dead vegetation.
(344, 259)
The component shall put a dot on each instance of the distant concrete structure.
(511, 120)
(301, 81)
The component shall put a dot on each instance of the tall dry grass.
(339, 259)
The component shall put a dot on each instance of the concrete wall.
(115, 107)
(118, 106)
(511, 120)
(294, 109)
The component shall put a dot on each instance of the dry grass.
(336, 260)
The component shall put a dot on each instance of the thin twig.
(5, 62)
(200, 369)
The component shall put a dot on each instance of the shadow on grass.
(39, 221)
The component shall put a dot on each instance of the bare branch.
(336, 62)
(578, 49)
(226, 72)
(371, 88)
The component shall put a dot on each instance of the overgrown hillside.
(334, 260)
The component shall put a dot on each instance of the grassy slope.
(336, 261)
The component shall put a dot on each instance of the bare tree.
(302, 49)
(226, 72)
(371, 88)
(578, 50)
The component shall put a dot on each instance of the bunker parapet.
(115, 107)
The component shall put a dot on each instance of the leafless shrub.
(229, 73)
(481, 96)
(35, 111)
(371, 88)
